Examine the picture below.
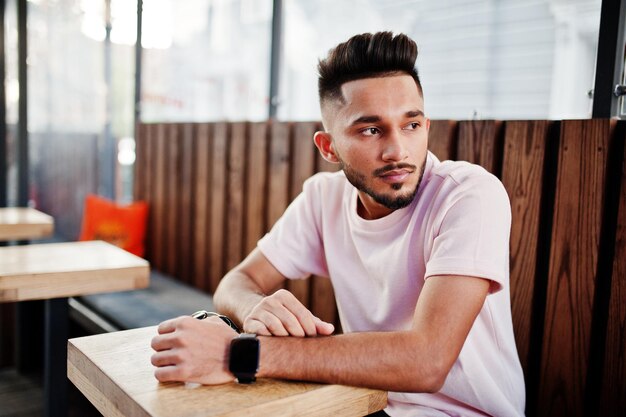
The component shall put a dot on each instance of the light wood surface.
(18, 223)
(56, 270)
(113, 371)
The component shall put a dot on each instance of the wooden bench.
(215, 188)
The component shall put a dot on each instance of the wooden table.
(53, 272)
(114, 372)
(18, 223)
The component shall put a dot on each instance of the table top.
(17, 223)
(53, 270)
(114, 372)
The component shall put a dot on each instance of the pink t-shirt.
(458, 224)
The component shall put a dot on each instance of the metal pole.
(138, 53)
(107, 145)
(610, 61)
(3, 120)
(275, 58)
(22, 124)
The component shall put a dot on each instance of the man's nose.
(394, 148)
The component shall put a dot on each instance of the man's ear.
(324, 144)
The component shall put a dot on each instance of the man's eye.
(370, 131)
(412, 126)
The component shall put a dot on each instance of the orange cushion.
(122, 226)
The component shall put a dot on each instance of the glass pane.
(205, 60)
(500, 59)
(66, 106)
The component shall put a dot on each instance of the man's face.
(380, 136)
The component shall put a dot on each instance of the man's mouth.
(395, 173)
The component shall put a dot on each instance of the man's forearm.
(236, 296)
(394, 361)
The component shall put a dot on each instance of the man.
(416, 249)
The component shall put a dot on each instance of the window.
(501, 59)
(205, 60)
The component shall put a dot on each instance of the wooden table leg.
(55, 358)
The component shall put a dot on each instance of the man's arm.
(417, 360)
(243, 296)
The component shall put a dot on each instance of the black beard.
(393, 203)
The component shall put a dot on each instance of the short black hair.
(366, 55)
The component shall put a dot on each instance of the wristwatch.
(244, 358)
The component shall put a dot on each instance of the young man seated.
(417, 251)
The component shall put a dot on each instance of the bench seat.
(165, 298)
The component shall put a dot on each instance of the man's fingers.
(324, 328)
(168, 326)
(304, 317)
(159, 343)
(256, 327)
(165, 358)
(167, 373)
(297, 318)
(282, 314)
(289, 322)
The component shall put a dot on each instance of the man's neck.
(369, 209)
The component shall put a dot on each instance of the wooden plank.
(234, 196)
(147, 195)
(218, 199)
(187, 203)
(613, 397)
(442, 139)
(157, 221)
(201, 206)
(303, 166)
(573, 266)
(256, 191)
(323, 303)
(480, 142)
(172, 213)
(524, 152)
(141, 164)
(278, 189)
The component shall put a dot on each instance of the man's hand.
(281, 314)
(191, 350)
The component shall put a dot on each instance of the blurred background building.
(205, 60)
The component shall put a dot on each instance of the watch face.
(244, 355)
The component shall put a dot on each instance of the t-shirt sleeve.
(473, 233)
(294, 244)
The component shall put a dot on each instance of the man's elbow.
(220, 295)
(432, 376)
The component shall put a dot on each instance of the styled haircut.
(367, 55)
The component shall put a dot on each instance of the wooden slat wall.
(524, 153)
(218, 198)
(186, 191)
(235, 195)
(200, 249)
(613, 388)
(480, 142)
(256, 185)
(215, 188)
(573, 264)
(303, 160)
(442, 139)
